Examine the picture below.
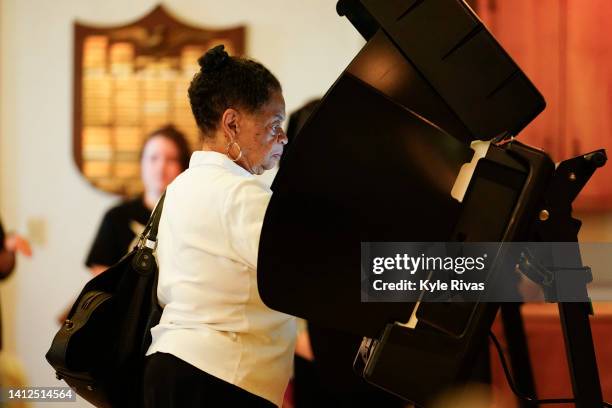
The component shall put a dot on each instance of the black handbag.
(99, 350)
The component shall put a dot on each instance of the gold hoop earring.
(227, 151)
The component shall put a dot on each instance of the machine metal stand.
(556, 225)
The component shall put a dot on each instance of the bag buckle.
(150, 244)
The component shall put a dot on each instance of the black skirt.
(170, 382)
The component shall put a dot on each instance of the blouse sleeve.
(245, 209)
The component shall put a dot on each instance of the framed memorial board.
(130, 80)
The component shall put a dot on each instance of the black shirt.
(1, 249)
(118, 230)
(1, 237)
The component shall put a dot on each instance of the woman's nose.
(282, 137)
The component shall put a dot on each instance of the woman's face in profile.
(262, 137)
(160, 164)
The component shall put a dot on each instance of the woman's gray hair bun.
(214, 59)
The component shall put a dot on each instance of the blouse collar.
(206, 157)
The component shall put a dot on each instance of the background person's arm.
(97, 269)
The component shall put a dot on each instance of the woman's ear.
(230, 123)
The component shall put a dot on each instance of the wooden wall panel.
(565, 47)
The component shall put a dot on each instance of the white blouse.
(213, 316)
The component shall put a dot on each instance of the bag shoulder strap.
(149, 235)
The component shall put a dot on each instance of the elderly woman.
(217, 344)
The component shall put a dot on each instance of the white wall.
(304, 43)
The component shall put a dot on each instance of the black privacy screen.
(378, 158)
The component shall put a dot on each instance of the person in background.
(164, 155)
(296, 121)
(10, 245)
(12, 375)
(323, 373)
(217, 344)
(305, 389)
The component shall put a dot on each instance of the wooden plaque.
(130, 80)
